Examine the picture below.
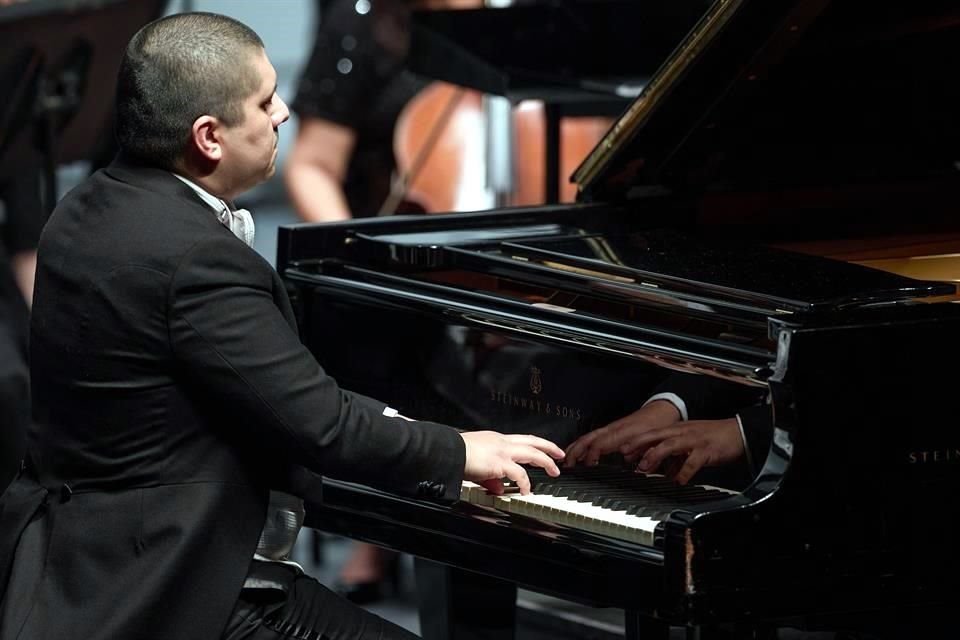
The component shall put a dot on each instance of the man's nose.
(282, 114)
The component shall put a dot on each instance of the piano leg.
(641, 627)
(461, 605)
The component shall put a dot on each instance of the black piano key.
(659, 513)
(617, 505)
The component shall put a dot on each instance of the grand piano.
(777, 211)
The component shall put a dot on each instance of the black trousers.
(307, 611)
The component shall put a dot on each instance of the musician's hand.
(492, 456)
(686, 447)
(589, 447)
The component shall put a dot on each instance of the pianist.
(691, 422)
(175, 407)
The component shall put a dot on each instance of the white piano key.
(571, 513)
(563, 511)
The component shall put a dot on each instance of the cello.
(441, 149)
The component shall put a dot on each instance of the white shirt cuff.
(390, 412)
(673, 399)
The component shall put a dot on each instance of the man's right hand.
(492, 456)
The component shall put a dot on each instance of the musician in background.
(21, 220)
(349, 97)
(692, 423)
(351, 93)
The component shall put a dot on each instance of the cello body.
(440, 145)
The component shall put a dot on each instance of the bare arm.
(316, 170)
(24, 266)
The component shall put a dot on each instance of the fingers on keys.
(494, 486)
(532, 450)
(518, 474)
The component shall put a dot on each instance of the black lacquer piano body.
(778, 210)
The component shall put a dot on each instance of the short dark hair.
(175, 70)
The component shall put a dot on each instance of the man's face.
(250, 148)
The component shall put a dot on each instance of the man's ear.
(205, 137)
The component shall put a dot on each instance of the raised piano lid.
(550, 50)
(768, 95)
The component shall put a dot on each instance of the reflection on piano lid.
(550, 50)
(773, 94)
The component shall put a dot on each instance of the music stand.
(58, 76)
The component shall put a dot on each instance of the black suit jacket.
(171, 392)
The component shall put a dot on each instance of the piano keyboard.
(612, 502)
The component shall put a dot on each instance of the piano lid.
(563, 52)
(772, 94)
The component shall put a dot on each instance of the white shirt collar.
(238, 221)
(213, 201)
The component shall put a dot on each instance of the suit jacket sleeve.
(233, 344)
(709, 398)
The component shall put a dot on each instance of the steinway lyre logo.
(537, 402)
(536, 384)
